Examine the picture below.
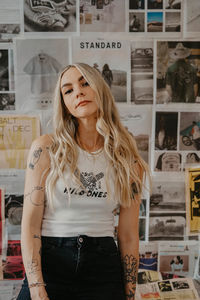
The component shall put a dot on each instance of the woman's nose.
(79, 92)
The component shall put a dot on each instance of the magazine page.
(179, 259)
(16, 135)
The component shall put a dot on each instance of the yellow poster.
(16, 135)
(193, 200)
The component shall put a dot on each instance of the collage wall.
(148, 51)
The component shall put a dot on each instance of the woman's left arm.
(128, 239)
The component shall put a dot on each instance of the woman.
(75, 179)
(107, 75)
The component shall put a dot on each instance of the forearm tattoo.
(33, 267)
(39, 197)
(35, 158)
(130, 265)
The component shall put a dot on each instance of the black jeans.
(80, 268)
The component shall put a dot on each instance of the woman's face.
(78, 96)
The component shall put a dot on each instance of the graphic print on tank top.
(91, 185)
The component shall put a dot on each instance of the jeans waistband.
(74, 240)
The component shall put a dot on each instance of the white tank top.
(88, 210)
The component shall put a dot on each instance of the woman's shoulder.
(43, 141)
(39, 157)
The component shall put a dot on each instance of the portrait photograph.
(178, 72)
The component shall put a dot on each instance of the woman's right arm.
(38, 164)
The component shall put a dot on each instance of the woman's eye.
(68, 91)
(86, 84)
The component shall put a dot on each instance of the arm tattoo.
(35, 158)
(31, 195)
(37, 236)
(33, 266)
(130, 273)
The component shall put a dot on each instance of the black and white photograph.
(142, 88)
(50, 16)
(7, 101)
(102, 16)
(138, 121)
(136, 22)
(180, 285)
(166, 130)
(142, 229)
(4, 70)
(13, 214)
(167, 226)
(155, 4)
(167, 196)
(142, 56)
(9, 29)
(190, 131)
(173, 22)
(136, 4)
(109, 57)
(143, 208)
(39, 62)
(178, 72)
(192, 17)
(173, 4)
(168, 161)
(191, 158)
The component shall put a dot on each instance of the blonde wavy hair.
(119, 145)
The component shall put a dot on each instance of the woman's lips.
(82, 103)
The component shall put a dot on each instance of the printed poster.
(16, 136)
(109, 57)
(193, 200)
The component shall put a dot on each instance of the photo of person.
(174, 264)
(189, 131)
(155, 4)
(4, 76)
(155, 21)
(136, 22)
(49, 16)
(192, 158)
(7, 101)
(168, 162)
(111, 58)
(107, 74)
(136, 4)
(177, 72)
(166, 131)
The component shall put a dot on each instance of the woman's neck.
(88, 137)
